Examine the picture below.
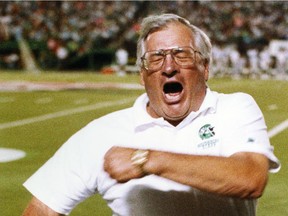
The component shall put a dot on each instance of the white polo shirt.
(225, 124)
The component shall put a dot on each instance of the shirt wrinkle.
(141, 196)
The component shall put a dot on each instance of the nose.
(169, 67)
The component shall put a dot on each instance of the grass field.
(42, 137)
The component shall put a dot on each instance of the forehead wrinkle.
(168, 39)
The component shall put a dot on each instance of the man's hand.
(242, 175)
(117, 162)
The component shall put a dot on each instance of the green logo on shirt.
(206, 132)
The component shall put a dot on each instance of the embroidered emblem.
(206, 132)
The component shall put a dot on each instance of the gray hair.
(157, 22)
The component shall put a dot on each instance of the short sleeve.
(64, 180)
(246, 130)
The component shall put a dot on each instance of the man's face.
(173, 91)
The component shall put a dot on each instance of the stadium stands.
(61, 33)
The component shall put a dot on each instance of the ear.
(206, 71)
(142, 82)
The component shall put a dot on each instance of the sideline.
(64, 113)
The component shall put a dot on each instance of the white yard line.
(7, 155)
(64, 113)
(271, 133)
(278, 128)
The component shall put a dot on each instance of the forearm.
(37, 208)
(242, 175)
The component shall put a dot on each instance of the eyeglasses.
(183, 56)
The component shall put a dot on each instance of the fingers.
(118, 164)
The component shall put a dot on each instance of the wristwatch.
(139, 157)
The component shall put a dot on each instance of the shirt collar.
(143, 119)
(210, 102)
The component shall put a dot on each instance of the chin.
(177, 111)
(175, 117)
(174, 122)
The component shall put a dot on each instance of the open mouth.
(172, 91)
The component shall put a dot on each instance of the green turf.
(41, 139)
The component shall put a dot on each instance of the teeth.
(172, 92)
(171, 96)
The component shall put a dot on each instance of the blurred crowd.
(240, 31)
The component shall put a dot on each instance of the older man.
(182, 149)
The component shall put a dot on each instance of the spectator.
(121, 60)
(91, 25)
